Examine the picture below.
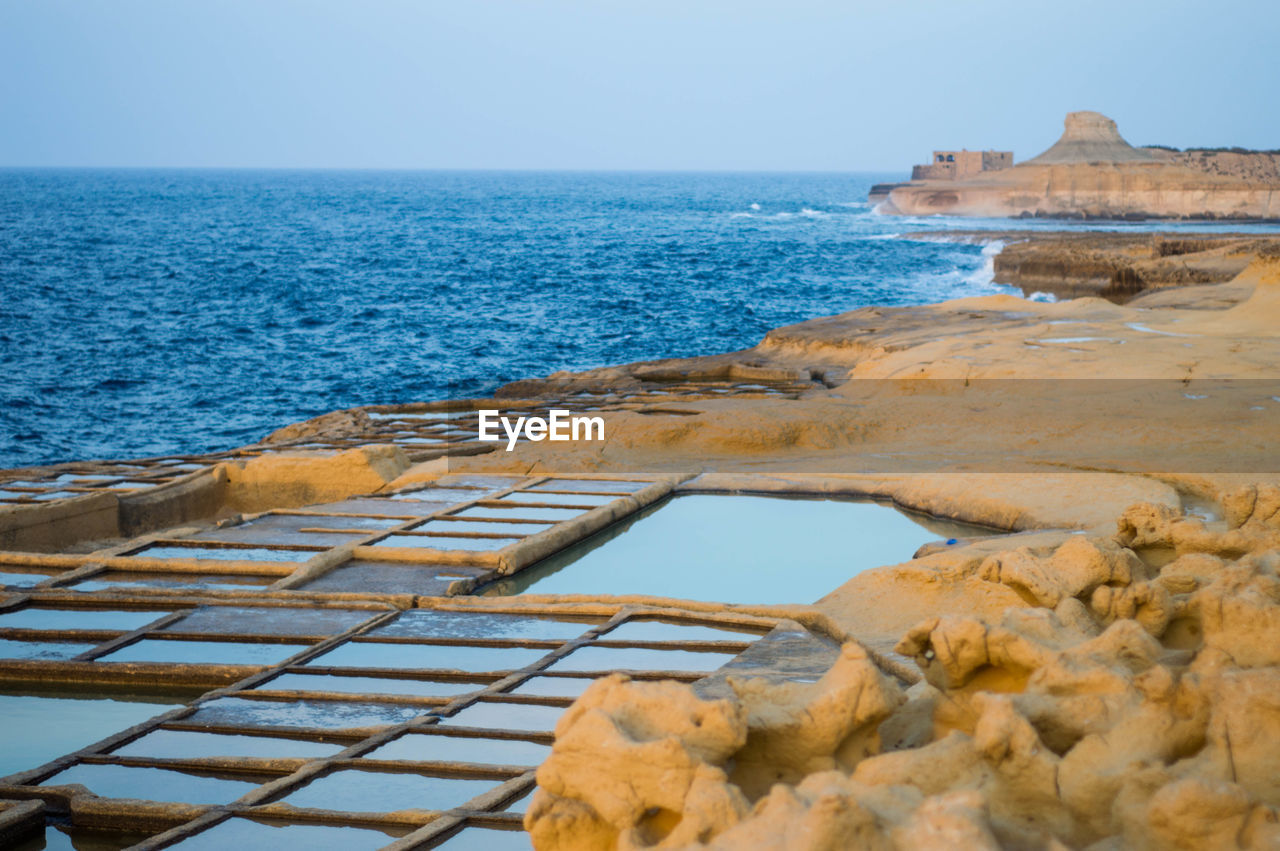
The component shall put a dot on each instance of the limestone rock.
(292, 479)
(1135, 703)
(797, 729)
(638, 763)
(1075, 569)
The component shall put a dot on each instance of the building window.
(939, 157)
(951, 158)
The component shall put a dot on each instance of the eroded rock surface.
(1133, 701)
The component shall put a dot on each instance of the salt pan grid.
(427, 752)
(442, 539)
(356, 668)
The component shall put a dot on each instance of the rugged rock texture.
(1132, 701)
(291, 479)
(1091, 172)
(1119, 267)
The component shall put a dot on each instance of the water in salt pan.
(568, 687)
(484, 527)
(42, 723)
(429, 747)
(353, 790)
(63, 837)
(591, 658)
(436, 623)
(155, 784)
(155, 650)
(188, 744)
(735, 549)
(119, 579)
(654, 629)
(45, 650)
(320, 714)
(252, 833)
(90, 619)
(518, 512)
(557, 498)
(441, 542)
(21, 579)
(487, 839)
(368, 654)
(225, 553)
(369, 685)
(526, 717)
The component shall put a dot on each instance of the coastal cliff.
(1092, 172)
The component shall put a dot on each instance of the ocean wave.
(782, 215)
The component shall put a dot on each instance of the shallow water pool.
(525, 717)
(175, 652)
(154, 784)
(63, 837)
(43, 650)
(261, 833)
(735, 549)
(115, 579)
(225, 553)
(453, 657)
(432, 747)
(21, 579)
(353, 790)
(188, 744)
(41, 723)
(487, 839)
(90, 619)
(326, 683)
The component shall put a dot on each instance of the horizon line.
(499, 169)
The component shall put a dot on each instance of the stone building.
(957, 165)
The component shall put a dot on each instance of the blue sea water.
(146, 312)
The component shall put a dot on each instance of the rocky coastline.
(1101, 674)
(1120, 267)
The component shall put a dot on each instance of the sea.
(151, 312)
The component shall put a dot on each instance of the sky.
(618, 84)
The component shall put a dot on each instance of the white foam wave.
(783, 215)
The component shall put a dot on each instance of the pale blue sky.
(636, 84)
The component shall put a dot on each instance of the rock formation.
(1092, 172)
(1090, 137)
(1133, 702)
